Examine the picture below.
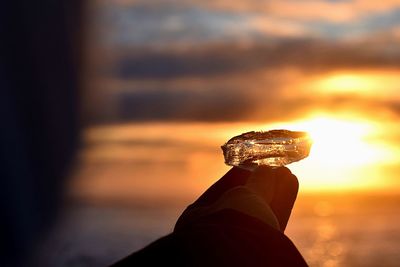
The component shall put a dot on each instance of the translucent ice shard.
(273, 148)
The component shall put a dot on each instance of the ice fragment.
(273, 148)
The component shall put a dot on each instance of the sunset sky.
(166, 70)
(249, 60)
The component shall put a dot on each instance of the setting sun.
(340, 153)
(339, 143)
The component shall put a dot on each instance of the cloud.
(172, 23)
(243, 105)
(313, 10)
(276, 27)
(305, 54)
(164, 25)
(308, 10)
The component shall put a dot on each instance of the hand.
(266, 193)
(232, 224)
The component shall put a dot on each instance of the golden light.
(339, 143)
(381, 84)
(340, 153)
(346, 83)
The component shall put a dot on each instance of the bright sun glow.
(339, 143)
(339, 154)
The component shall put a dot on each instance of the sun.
(338, 143)
(340, 152)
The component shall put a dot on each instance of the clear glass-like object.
(273, 148)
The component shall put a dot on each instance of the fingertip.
(287, 178)
(262, 171)
(234, 177)
(236, 172)
(282, 170)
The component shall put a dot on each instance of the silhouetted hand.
(267, 194)
(237, 222)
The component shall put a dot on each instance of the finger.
(263, 182)
(245, 200)
(234, 177)
(285, 194)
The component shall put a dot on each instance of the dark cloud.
(224, 105)
(304, 54)
(184, 105)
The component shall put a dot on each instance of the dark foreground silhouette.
(39, 121)
(239, 221)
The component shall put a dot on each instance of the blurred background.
(166, 83)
